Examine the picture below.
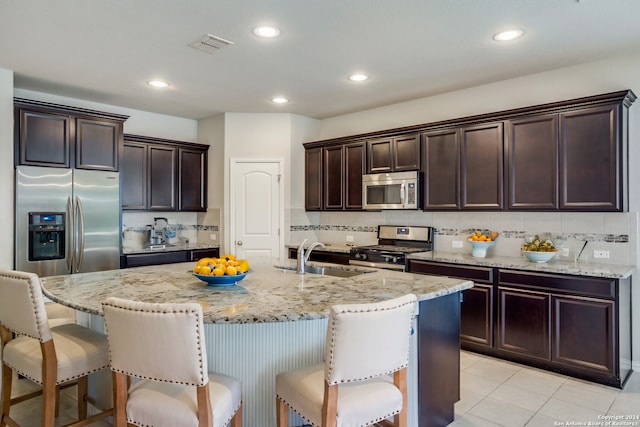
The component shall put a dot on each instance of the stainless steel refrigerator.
(67, 220)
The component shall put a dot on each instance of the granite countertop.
(267, 294)
(556, 265)
(127, 250)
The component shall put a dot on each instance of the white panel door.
(256, 208)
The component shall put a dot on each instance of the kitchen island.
(275, 320)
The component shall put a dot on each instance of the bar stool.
(353, 387)
(52, 357)
(58, 314)
(159, 365)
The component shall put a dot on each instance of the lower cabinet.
(575, 325)
(169, 257)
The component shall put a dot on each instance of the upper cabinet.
(481, 166)
(393, 154)
(60, 136)
(333, 177)
(562, 156)
(163, 175)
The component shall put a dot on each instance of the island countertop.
(267, 294)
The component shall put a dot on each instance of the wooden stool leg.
(7, 377)
(282, 413)
(236, 421)
(82, 397)
(49, 375)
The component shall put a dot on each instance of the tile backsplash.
(197, 227)
(583, 233)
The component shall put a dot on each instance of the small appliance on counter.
(394, 243)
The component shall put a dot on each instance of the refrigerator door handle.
(80, 234)
(69, 252)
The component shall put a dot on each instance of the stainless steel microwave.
(397, 190)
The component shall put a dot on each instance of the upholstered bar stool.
(353, 387)
(58, 314)
(52, 357)
(159, 364)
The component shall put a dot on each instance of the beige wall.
(6, 167)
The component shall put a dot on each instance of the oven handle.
(397, 267)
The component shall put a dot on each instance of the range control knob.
(361, 256)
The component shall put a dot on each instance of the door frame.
(230, 236)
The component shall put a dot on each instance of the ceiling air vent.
(210, 44)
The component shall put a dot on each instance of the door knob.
(239, 243)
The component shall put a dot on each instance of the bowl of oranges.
(223, 271)
(481, 241)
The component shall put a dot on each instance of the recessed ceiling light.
(266, 32)
(504, 36)
(358, 77)
(279, 100)
(157, 83)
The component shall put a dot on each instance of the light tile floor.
(493, 393)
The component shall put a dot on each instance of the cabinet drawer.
(477, 274)
(583, 286)
(139, 260)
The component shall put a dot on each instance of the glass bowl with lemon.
(223, 271)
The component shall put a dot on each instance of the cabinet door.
(524, 323)
(313, 179)
(192, 187)
(133, 176)
(532, 152)
(476, 315)
(354, 163)
(406, 153)
(482, 167)
(97, 143)
(333, 178)
(380, 155)
(583, 334)
(44, 139)
(591, 160)
(442, 170)
(161, 178)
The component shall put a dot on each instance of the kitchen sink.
(329, 271)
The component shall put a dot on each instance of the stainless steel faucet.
(302, 257)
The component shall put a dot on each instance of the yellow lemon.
(243, 265)
(231, 271)
(204, 261)
(196, 269)
(229, 256)
(205, 270)
(218, 272)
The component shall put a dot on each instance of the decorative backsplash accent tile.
(506, 234)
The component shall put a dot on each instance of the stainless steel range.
(394, 243)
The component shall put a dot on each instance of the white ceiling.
(104, 51)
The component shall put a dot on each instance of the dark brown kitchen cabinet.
(192, 173)
(163, 175)
(574, 325)
(592, 159)
(441, 162)
(161, 178)
(334, 171)
(59, 136)
(524, 323)
(481, 167)
(133, 175)
(333, 177)
(477, 307)
(394, 154)
(313, 184)
(532, 152)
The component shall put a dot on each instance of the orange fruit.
(203, 261)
